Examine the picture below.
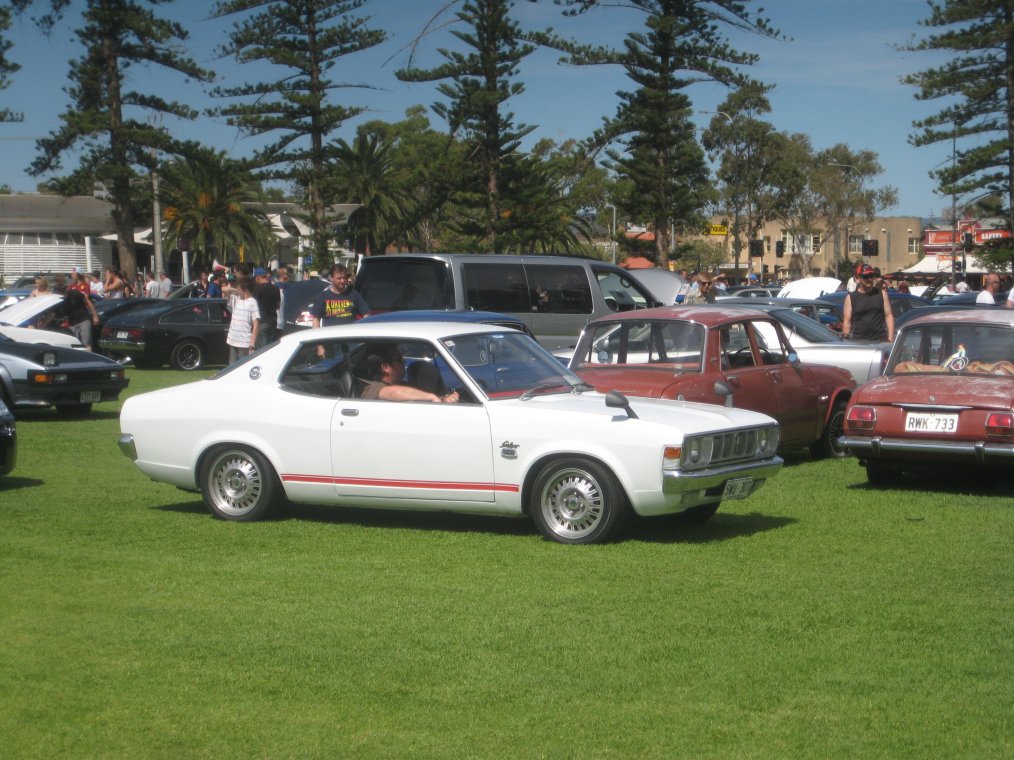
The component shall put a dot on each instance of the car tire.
(880, 474)
(577, 501)
(238, 484)
(187, 355)
(827, 446)
(697, 515)
(73, 410)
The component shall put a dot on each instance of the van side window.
(559, 289)
(495, 287)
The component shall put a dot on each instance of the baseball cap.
(751, 276)
(260, 272)
(865, 270)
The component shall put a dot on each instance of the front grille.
(739, 444)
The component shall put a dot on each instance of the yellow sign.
(718, 229)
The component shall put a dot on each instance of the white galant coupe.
(526, 436)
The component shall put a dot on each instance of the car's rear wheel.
(827, 445)
(238, 483)
(187, 355)
(880, 474)
(577, 501)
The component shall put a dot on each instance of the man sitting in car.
(384, 369)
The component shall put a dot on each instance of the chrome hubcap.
(236, 483)
(572, 503)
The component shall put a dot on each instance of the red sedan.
(946, 398)
(717, 355)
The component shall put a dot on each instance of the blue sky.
(836, 79)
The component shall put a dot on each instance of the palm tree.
(206, 208)
(364, 173)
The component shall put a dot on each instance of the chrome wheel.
(187, 356)
(577, 501)
(237, 484)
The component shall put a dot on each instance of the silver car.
(815, 344)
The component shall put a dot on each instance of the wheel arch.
(226, 443)
(538, 464)
(840, 396)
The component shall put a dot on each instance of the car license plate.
(737, 488)
(90, 397)
(122, 335)
(931, 422)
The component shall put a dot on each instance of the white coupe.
(526, 436)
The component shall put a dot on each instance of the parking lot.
(821, 617)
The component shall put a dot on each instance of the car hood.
(687, 416)
(810, 287)
(46, 337)
(978, 391)
(65, 357)
(638, 381)
(22, 311)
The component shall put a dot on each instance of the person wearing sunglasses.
(703, 293)
(868, 315)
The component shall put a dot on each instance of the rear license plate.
(90, 397)
(930, 422)
(122, 335)
(737, 488)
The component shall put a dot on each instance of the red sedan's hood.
(980, 391)
(648, 382)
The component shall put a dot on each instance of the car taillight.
(1000, 424)
(862, 418)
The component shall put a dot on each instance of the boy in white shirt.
(245, 322)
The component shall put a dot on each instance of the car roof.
(707, 315)
(365, 328)
(786, 303)
(999, 317)
(436, 315)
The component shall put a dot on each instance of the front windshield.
(804, 327)
(510, 364)
(969, 349)
(662, 343)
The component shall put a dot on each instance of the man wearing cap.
(868, 314)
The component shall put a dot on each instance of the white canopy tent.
(941, 264)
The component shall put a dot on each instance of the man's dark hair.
(379, 355)
(339, 269)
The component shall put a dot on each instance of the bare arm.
(408, 393)
(846, 323)
(888, 316)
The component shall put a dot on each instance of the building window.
(856, 243)
(914, 245)
(767, 244)
(815, 243)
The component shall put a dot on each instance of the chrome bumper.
(675, 482)
(980, 452)
(126, 444)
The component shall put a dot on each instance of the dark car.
(900, 302)
(818, 310)
(297, 299)
(112, 307)
(8, 440)
(35, 376)
(187, 333)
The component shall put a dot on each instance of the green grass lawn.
(819, 618)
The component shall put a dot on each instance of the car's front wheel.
(577, 501)
(187, 355)
(827, 445)
(238, 484)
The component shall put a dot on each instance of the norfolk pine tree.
(7, 67)
(116, 35)
(307, 38)
(977, 87)
(682, 44)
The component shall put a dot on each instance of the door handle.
(732, 379)
(350, 412)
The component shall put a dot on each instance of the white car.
(16, 322)
(526, 437)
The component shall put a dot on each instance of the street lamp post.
(612, 233)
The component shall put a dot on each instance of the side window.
(771, 349)
(218, 314)
(619, 292)
(319, 372)
(495, 287)
(559, 289)
(736, 350)
(193, 314)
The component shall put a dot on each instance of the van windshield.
(393, 284)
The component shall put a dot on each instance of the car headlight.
(41, 378)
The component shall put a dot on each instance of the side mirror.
(721, 388)
(616, 400)
(794, 359)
